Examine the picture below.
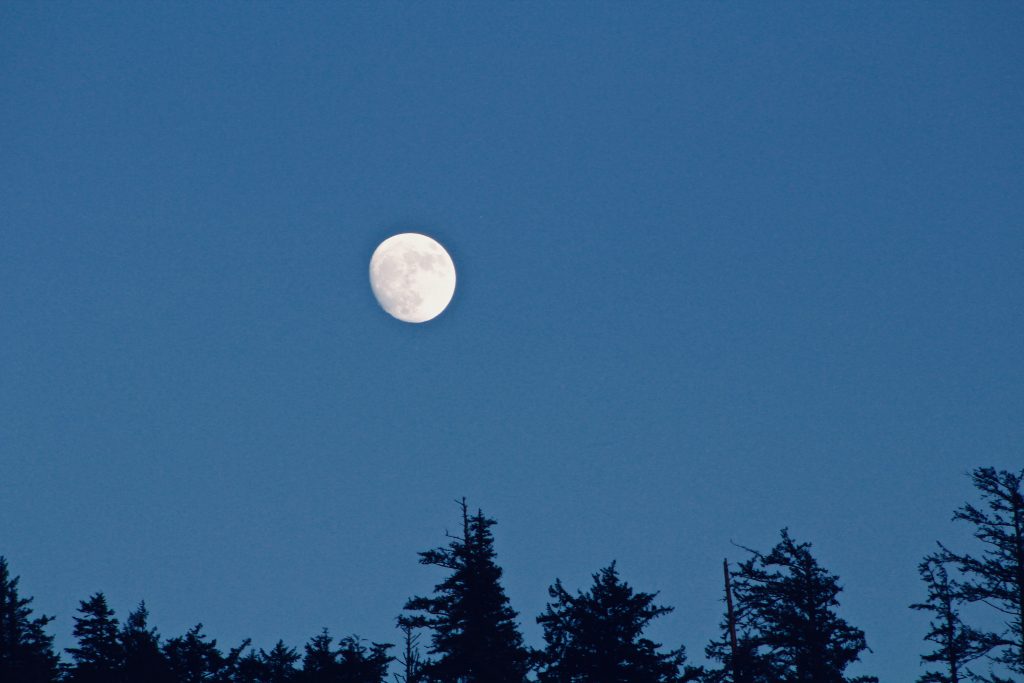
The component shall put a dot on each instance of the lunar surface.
(412, 276)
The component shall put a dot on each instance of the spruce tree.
(956, 644)
(474, 634)
(320, 662)
(598, 636)
(140, 644)
(409, 661)
(785, 613)
(26, 650)
(995, 578)
(193, 658)
(99, 657)
(360, 664)
(279, 664)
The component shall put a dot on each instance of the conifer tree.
(140, 644)
(352, 662)
(279, 664)
(26, 650)
(409, 660)
(99, 657)
(597, 636)
(785, 611)
(360, 664)
(320, 662)
(995, 578)
(474, 634)
(956, 644)
(194, 659)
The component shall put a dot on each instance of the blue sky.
(722, 269)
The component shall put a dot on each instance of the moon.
(412, 276)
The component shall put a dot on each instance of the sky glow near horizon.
(722, 270)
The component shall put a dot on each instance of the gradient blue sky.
(723, 268)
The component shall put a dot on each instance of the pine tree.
(140, 644)
(785, 612)
(956, 643)
(99, 657)
(996, 577)
(26, 650)
(475, 638)
(597, 636)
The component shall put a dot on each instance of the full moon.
(412, 276)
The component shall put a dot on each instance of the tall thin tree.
(956, 644)
(994, 578)
(99, 657)
(26, 649)
(474, 634)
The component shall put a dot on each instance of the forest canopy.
(780, 624)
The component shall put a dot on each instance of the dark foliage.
(474, 635)
(140, 645)
(788, 629)
(193, 658)
(99, 657)
(352, 662)
(409, 660)
(597, 636)
(26, 649)
(995, 577)
(956, 644)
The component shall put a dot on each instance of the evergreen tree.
(785, 612)
(996, 577)
(360, 664)
(409, 660)
(352, 662)
(26, 650)
(279, 664)
(475, 638)
(194, 659)
(737, 650)
(143, 660)
(597, 636)
(99, 657)
(320, 662)
(249, 669)
(956, 643)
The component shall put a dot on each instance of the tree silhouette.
(140, 645)
(996, 577)
(320, 662)
(352, 662)
(956, 643)
(279, 664)
(99, 657)
(26, 650)
(409, 660)
(475, 638)
(361, 664)
(194, 659)
(597, 636)
(737, 649)
(785, 611)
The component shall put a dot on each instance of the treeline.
(779, 624)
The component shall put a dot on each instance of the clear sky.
(723, 268)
